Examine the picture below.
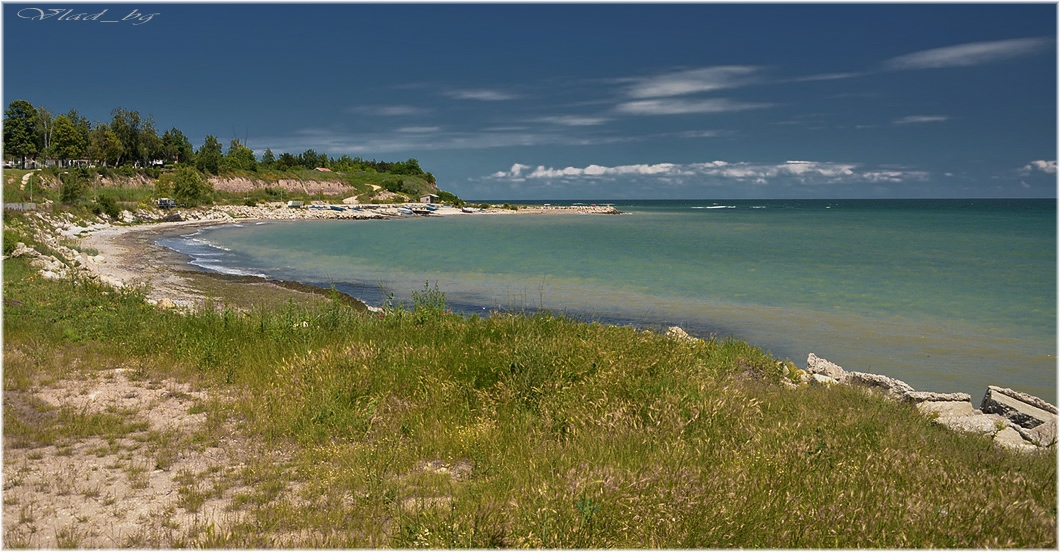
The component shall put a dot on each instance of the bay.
(947, 295)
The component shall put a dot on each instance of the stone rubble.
(1015, 420)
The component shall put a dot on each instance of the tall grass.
(420, 428)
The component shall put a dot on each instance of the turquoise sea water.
(947, 295)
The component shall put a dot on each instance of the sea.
(947, 295)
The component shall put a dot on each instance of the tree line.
(129, 139)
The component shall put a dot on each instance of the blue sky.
(589, 101)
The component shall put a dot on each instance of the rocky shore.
(1013, 419)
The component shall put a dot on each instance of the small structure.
(295, 204)
(322, 169)
(166, 203)
(429, 198)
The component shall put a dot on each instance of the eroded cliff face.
(243, 184)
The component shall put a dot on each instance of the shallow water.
(947, 295)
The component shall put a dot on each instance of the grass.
(421, 428)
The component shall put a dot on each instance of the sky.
(582, 101)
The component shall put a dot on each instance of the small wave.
(213, 267)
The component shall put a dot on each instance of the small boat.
(337, 207)
(405, 211)
(467, 210)
(318, 207)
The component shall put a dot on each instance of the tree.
(176, 147)
(239, 157)
(268, 159)
(44, 130)
(287, 161)
(208, 158)
(151, 147)
(104, 145)
(189, 187)
(20, 130)
(67, 141)
(73, 185)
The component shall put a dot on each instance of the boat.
(337, 207)
(405, 211)
(467, 210)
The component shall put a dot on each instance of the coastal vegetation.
(416, 427)
(128, 148)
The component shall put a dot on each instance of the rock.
(165, 303)
(929, 396)
(946, 409)
(1024, 410)
(987, 424)
(891, 387)
(822, 379)
(1010, 438)
(815, 365)
(676, 332)
(1043, 435)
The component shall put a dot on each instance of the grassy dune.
(421, 428)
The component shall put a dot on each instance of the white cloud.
(573, 120)
(964, 55)
(681, 107)
(693, 81)
(1048, 167)
(419, 129)
(917, 119)
(387, 110)
(481, 94)
(807, 172)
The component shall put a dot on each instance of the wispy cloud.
(806, 172)
(693, 81)
(1048, 167)
(419, 129)
(387, 110)
(683, 106)
(919, 119)
(964, 55)
(573, 120)
(481, 94)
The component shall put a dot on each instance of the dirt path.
(140, 489)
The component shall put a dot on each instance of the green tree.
(268, 159)
(126, 125)
(189, 187)
(73, 185)
(20, 130)
(67, 140)
(176, 147)
(45, 123)
(104, 146)
(239, 157)
(287, 161)
(208, 158)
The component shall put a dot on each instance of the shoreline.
(127, 255)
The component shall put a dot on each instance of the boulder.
(1043, 435)
(945, 409)
(816, 365)
(890, 387)
(930, 396)
(1010, 438)
(987, 424)
(1022, 409)
(676, 332)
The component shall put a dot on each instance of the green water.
(946, 295)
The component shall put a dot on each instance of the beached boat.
(337, 207)
(405, 211)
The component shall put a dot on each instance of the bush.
(106, 204)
